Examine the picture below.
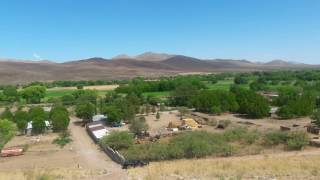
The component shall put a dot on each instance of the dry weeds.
(284, 166)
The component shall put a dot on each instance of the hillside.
(123, 66)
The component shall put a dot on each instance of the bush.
(187, 145)
(297, 140)
(241, 134)
(63, 139)
(118, 140)
(275, 138)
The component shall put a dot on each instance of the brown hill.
(13, 72)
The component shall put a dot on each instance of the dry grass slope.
(251, 167)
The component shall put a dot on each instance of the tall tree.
(138, 125)
(34, 94)
(85, 111)
(21, 119)
(38, 117)
(59, 117)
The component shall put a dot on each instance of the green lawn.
(224, 85)
(60, 93)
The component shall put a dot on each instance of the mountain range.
(148, 64)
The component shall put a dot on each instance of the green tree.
(68, 100)
(250, 103)
(138, 125)
(38, 116)
(11, 94)
(118, 140)
(7, 131)
(113, 113)
(241, 79)
(7, 114)
(34, 94)
(59, 117)
(85, 111)
(21, 119)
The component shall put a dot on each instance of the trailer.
(12, 151)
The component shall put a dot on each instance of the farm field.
(61, 92)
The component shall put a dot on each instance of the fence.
(113, 154)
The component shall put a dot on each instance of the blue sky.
(258, 30)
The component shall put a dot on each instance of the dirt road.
(90, 156)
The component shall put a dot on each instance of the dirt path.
(91, 157)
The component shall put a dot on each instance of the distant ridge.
(123, 66)
(147, 56)
(279, 62)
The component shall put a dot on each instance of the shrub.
(118, 140)
(63, 139)
(297, 140)
(187, 145)
(275, 138)
(241, 134)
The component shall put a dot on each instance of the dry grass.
(52, 174)
(251, 167)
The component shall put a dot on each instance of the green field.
(224, 85)
(60, 93)
(220, 85)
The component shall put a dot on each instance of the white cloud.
(37, 56)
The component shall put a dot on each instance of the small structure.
(12, 151)
(190, 123)
(99, 117)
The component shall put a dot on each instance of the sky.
(256, 30)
